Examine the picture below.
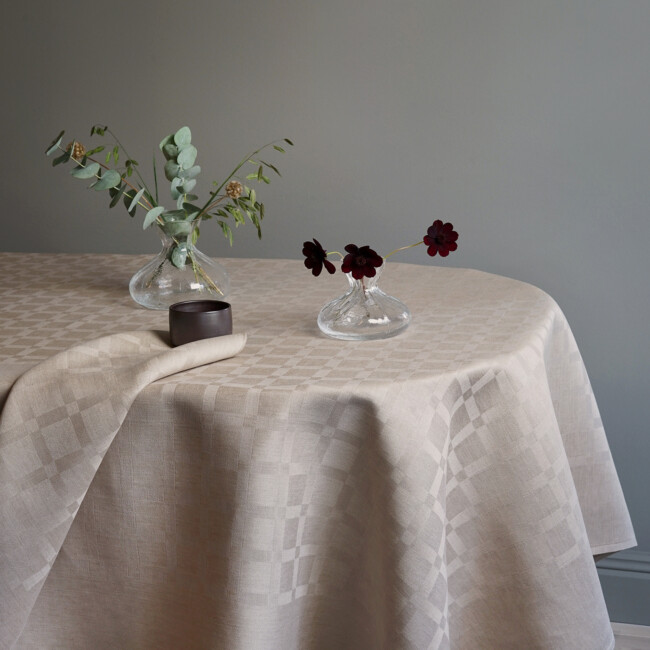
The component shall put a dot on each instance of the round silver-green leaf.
(187, 157)
(178, 228)
(111, 178)
(188, 186)
(165, 141)
(152, 216)
(192, 172)
(175, 185)
(179, 255)
(183, 136)
(170, 151)
(85, 172)
(171, 169)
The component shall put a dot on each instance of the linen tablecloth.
(446, 488)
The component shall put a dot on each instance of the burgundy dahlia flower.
(361, 261)
(316, 257)
(441, 238)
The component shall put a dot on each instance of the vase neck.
(178, 231)
(366, 284)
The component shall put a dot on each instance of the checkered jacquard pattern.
(442, 489)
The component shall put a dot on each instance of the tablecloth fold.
(57, 423)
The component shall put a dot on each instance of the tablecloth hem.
(614, 547)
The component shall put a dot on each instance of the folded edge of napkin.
(59, 419)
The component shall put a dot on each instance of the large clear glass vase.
(364, 312)
(179, 272)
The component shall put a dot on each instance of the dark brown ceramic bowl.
(198, 319)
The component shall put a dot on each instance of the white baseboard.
(631, 637)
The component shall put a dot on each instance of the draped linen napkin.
(57, 423)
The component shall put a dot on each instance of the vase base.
(362, 336)
(364, 316)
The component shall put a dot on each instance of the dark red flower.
(316, 257)
(441, 238)
(361, 261)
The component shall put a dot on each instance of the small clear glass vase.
(179, 272)
(364, 312)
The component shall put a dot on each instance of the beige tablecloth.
(442, 489)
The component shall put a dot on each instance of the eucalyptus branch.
(180, 170)
(101, 164)
(129, 158)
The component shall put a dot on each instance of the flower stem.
(335, 253)
(403, 248)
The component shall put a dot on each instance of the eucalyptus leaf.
(85, 172)
(178, 228)
(192, 172)
(63, 158)
(128, 197)
(190, 197)
(288, 141)
(170, 151)
(175, 184)
(187, 157)
(183, 136)
(111, 178)
(171, 170)
(195, 235)
(165, 141)
(152, 216)
(136, 198)
(179, 255)
(188, 186)
(116, 193)
(278, 148)
(190, 208)
(54, 145)
(174, 215)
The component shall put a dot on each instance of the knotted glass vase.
(180, 271)
(364, 312)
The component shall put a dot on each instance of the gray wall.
(525, 123)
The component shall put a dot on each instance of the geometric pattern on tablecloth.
(316, 476)
(56, 425)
